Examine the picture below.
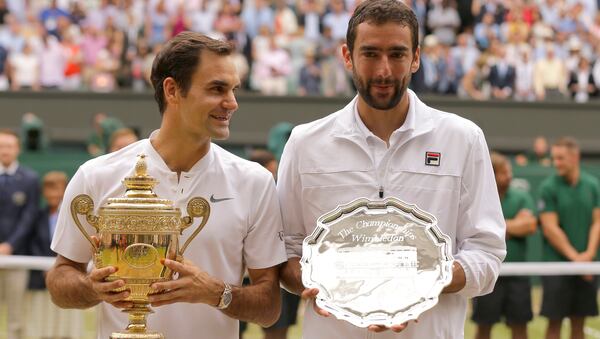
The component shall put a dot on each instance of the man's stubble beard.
(364, 90)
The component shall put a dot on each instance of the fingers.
(95, 240)
(319, 310)
(309, 293)
(398, 328)
(122, 304)
(114, 297)
(105, 287)
(104, 291)
(165, 298)
(377, 328)
(393, 328)
(99, 274)
(168, 285)
(181, 268)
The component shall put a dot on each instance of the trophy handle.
(197, 207)
(83, 204)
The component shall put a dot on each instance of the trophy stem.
(137, 328)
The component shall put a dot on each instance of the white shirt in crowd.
(26, 68)
(52, 63)
(338, 22)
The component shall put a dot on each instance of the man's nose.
(230, 103)
(383, 69)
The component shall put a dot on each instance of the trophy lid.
(139, 195)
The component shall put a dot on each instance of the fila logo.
(432, 158)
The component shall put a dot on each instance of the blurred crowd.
(519, 49)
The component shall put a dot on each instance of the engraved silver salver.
(377, 262)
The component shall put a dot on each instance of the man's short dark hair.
(8, 131)
(379, 12)
(54, 179)
(179, 59)
(498, 160)
(569, 143)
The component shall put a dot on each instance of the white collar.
(199, 166)
(11, 169)
(346, 124)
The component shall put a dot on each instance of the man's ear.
(171, 91)
(414, 66)
(347, 57)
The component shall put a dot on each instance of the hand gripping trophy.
(135, 233)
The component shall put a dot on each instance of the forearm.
(559, 241)
(520, 227)
(258, 303)
(69, 287)
(459, 280)
(291, 276)
(594, 239)
(20, 237)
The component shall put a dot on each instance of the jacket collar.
(10, 170)
(418, 121)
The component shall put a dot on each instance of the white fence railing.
(512, 269)
(26, 262)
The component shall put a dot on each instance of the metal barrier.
(508, 269)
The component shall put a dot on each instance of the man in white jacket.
(386, 142)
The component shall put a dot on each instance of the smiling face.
(206, 109)
(565, 160)
(382, 63)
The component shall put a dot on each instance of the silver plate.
(377, 262)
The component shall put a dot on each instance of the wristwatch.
(225, 297)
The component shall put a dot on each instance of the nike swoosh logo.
(213, 199)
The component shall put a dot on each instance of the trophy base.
(148, 335)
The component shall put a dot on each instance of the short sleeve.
(289, 192)
(68, 240)
(263, 245)
(547, 201)
(528, 203)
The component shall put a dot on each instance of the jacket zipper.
(380, 191)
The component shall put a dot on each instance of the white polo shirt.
(333, 161)
(243, 229)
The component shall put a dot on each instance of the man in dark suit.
(502, 75)
(52, 322)
(19, 199)
(53, 189)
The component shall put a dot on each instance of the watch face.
(227, 299)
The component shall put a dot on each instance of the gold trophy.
(135, 232)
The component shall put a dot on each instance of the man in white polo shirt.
(387, 143)
(195, 82)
